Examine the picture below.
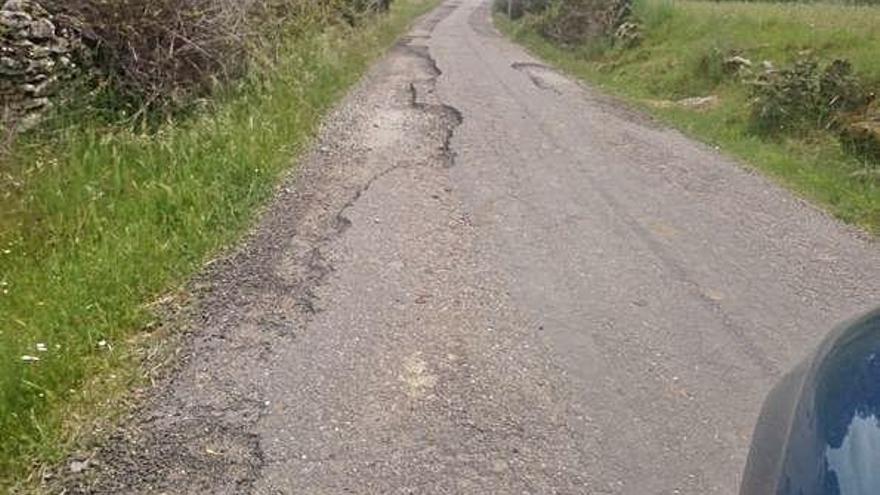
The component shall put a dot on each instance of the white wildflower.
(41, 347)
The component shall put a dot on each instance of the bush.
(159, 55)
(839, 89)
(577, 21)
(805, 97)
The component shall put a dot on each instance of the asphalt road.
(486, 278)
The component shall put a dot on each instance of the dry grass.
(158, 56)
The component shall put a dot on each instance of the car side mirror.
(819, 428)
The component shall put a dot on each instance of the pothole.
(543, 77)
(423, 97)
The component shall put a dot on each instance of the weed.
(711, 67)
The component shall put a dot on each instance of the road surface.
(486, 278)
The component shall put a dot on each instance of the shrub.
(839, 89)
(804, 97)
(160, 53)
(156, 56)
(577, 21)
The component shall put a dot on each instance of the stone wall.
(37, 53)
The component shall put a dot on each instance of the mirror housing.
(819, 428)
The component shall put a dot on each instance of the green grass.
(683, 38)
(96, 222)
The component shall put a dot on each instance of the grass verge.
(96, 222)
(683, 42)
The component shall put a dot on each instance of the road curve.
(486, 278)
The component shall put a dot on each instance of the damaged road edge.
(196, 431)
(423, 97)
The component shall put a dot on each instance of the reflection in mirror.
(819, 428)
(853, 465)
(847, 402)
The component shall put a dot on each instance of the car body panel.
(819, 428)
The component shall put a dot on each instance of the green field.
(683, 40)
(97, 222)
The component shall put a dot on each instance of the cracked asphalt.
(487, 278)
